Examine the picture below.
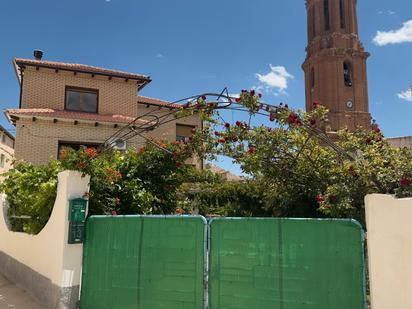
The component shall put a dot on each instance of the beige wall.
(48, 253)
(389, 238)
(400, 142)
(6, 149)
(37, 142)
(46, 89)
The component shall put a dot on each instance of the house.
(68, 105)
(6, 150)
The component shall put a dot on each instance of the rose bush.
(134, 182)
(300, 171)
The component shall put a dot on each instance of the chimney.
(38, 54)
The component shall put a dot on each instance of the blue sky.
(193, 46)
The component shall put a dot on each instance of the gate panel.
(143, 262)
(286, 264)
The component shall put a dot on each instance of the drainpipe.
(21, 84)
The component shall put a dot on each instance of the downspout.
(21, 85)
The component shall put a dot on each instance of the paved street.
(13, 297)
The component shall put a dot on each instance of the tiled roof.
(157, 102)
(82, 68)
(60, 114)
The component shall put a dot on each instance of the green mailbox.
(77, 218)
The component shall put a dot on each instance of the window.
(3, 138)
(75, 146)
(347, 74)
(2, 159)
(326, 14)
(81, 100)
(312, 79)
(342, 13)
(184, 132)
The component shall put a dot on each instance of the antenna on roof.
(38, 54)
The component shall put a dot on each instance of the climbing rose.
(405, 182)
(237, 100)
(227, 125)
(91, 152)
(319, 198)
(293, 118)
(252, 92)
(238, 123)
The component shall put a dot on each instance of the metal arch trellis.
(214, 101)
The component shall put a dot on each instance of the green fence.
(143, 262)
(286, 264)
(159, 262)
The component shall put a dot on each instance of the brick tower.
(335, 65)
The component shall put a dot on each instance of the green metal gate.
(155, 262)
(286, 264)
(143, 262)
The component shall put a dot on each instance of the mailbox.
(77, 210)
(77, 218)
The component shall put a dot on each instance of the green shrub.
(31, 192)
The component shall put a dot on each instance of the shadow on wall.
(389, 238)
(45, 264)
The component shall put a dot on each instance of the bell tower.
(335, 65)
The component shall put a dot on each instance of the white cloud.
(276, 79)
(401, 35)
(406, 95)
(159, 56)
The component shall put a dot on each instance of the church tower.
(335, 65)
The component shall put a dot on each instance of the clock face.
(349, 104)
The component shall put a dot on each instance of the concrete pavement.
(12, 297)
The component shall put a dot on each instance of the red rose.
(319, 198)
(252, 92)
(269, 130)
(222, 140)
(272, 117)
(179, 211)
(217, 133)
(235, 139)
(251, 150)
(312, 122)
(286, 106)
(267, 108)
(114, 212)
(333, 198)
(292, 118)
(405, 182)
(227, 125)
(237, 100)
(203, 97)
(238, 123)
(377, 130)
(260, 95)
(315, 105)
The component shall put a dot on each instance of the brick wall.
(46, 89)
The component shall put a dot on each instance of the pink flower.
(114, 212)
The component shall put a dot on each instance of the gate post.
(45, 265)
